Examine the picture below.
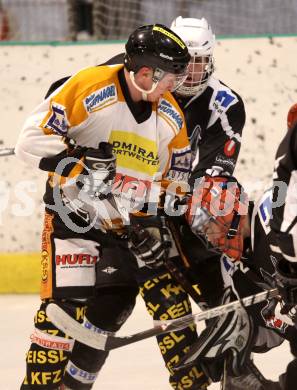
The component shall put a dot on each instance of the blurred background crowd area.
(76, 20)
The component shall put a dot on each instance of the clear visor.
(169, 81)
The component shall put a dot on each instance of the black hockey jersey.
(284, 210)
(259, 260)
(215, 120)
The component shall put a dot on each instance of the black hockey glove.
(286, 281)
(99, 171)
(149, 244)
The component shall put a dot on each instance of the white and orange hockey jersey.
(94, 106)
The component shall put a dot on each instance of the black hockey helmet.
(156, 46)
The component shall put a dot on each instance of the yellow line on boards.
(19, 273)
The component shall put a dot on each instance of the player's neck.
(136, 95)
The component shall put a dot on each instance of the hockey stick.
(105, 342)
(6, 152)
(175, 271)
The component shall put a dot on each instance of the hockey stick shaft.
(108, 342)
(6, 152)
(176, 272)
(11, 151)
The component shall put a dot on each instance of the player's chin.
(154, 97)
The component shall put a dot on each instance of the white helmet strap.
(143, 91)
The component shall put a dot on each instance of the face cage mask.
(225, 238)
(160, 76)
(197, 78)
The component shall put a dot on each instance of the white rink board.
(135, 367)
(261, 70)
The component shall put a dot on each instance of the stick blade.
(6, 152)
(74, 329)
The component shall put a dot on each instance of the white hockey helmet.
(200, 40)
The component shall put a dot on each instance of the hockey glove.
(216, 210)
(149, 240)
(99, 171)
(92, 198)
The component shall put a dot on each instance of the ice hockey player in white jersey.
(106, 130)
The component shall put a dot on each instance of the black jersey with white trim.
(215, 120)
(258, 265)
(258, 252)
(284, 212)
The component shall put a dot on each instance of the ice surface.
(135, 367)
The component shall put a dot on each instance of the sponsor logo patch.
(75, 262)
(223, 99)
(58, 121)
(51, 342)
(167, 110)
(225, 162)
(100, 98)
(87, 324)
(109, 270)
(79, 374)
(229, 148)
(45, 263)
(180, 164)
(76, 259)
(135, 151)
(166, 56)
(276, 323)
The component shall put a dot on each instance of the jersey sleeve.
(219, 145)
(284, 200)
(177, 151)
(44, 132)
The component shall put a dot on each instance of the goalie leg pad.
(230, 335)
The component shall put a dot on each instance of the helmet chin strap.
(143, 91)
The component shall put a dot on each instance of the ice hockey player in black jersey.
(266, 262)
(284, 229)
(264, 329)
(255, 272)
(215, 117)
(215, 113)
(284, 221)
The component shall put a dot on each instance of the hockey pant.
(71, 271)
(107, 310)
(166, 299)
